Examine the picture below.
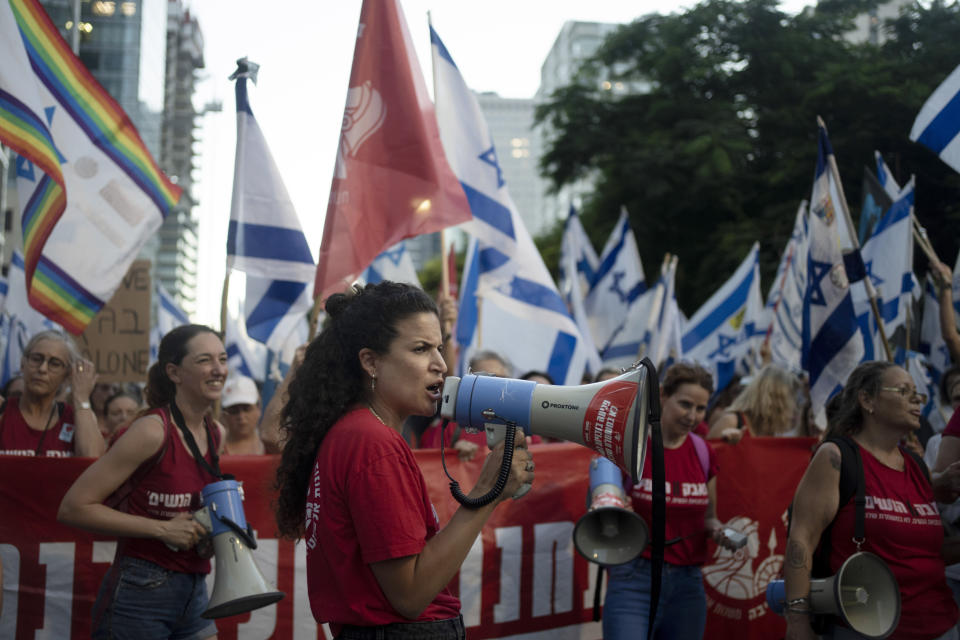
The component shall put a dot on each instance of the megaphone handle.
(493, 494)
(246, 536)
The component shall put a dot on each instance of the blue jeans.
(681, 612)
(141, 600)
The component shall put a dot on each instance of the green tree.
(720, 150)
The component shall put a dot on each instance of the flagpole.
(871, 292)
(444, 266)
(920, 235)
(223, 303)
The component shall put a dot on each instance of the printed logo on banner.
(606, 418)
(363, 115)
(739, 578)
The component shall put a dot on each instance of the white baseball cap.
(239, 390)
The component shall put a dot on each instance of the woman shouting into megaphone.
(378, 563)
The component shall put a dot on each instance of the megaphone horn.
(238, 585)
(864, 593)
(609, 534)
(609, 417)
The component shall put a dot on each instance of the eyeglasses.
(54, 364)
(908, 393)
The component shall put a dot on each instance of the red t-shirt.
(687, 500)
(902, 526)
(172, 486)
(367, 502)
(18, 439)
(953, 426)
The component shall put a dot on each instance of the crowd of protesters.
(55, 406)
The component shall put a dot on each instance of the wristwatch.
(85, 405)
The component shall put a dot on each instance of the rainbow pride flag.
(90, 192)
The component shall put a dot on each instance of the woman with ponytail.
(378, 563)
(144, 490)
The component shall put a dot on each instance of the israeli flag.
(723, 334)
(938, 122)
(578, 264)
(578, 259)
(785, 298)
(3, 292)
(825, 198)
(832, 342)
(265, 239)
(885, 176)
(932, 344)
(888, 260)
(245, 355)
(22, 320)
(279, 362)
(618, 282)
(920, 370)
(169, 317)
(393, 264)
(510, 278)
(664, 339)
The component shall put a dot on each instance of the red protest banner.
(522, 576)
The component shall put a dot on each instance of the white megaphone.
(864, 594)
(609, 533)
(610, 417)
(238, 586)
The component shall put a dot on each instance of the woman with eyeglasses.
(876, 408)
(35, 424)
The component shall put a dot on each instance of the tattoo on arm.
(796, 555)
(835, 460)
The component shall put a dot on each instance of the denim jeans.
(681, 612)
(842, 633)
(141, 600)
(450, 629)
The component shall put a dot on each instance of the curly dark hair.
(331, 380)
(844, 413)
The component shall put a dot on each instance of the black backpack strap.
(847, 487)
(860, 502)
(920, 462)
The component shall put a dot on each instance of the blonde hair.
(769, 401)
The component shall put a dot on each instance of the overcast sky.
(305, 52)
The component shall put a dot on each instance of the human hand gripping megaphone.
(609, 417)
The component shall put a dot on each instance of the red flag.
(392, 180)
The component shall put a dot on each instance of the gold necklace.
(376, 415)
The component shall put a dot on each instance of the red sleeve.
(386, 501)
(953, 427)
(714, 468)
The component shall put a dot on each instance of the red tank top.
(171, 486)
(902, 526)
(18, 439)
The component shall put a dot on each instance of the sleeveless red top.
(902, 526)
(18, 439)
(171, 486)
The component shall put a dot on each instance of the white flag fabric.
(265, 238)
(618, 282)
(888, 259)
(511, 278)
(724, 334)
(785, 298)
(665, 336)
(825, 197)
(578, 264)
(938, 124)
(273, 308)
(244, 354)
(393, 264)
(832, 342)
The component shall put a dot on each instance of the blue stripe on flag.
(621, 350)
(272, 243)
(834, 333)
(234, 351)
(943, 128)
(491, 259)
(441, 49)
(610, 259)
(279, 297)
(489, 211)
(468, 313)
(538, 295)
(736, 300)
(562, 355)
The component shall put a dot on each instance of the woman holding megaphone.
(900, 525)
(151, 480)
(378, 563)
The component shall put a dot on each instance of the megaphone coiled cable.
(502, 477)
